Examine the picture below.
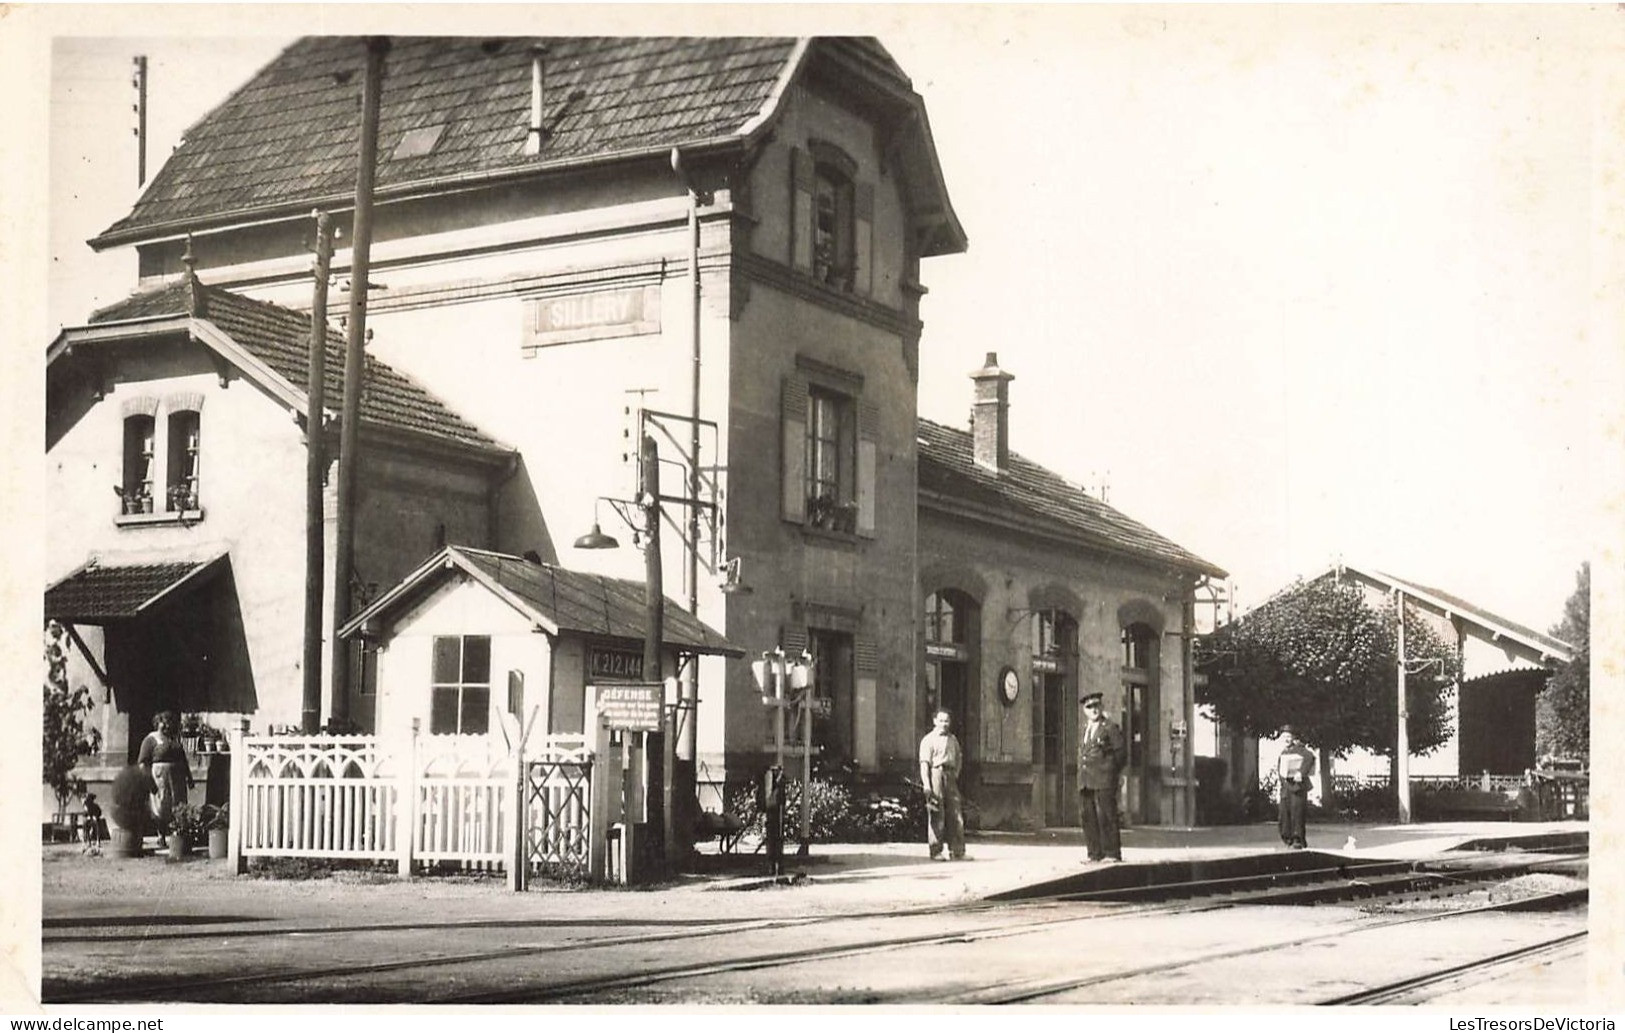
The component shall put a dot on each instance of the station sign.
(631, 708)
(591, 315)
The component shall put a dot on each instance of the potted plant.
(189, 827)
(132, 791)
(209, 739)
(190, 723)
(217, 820)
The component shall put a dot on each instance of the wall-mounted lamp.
(733, 582)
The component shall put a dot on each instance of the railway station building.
(721, 244)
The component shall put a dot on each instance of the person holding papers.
(1295, 767)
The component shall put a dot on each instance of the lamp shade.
(597, 539)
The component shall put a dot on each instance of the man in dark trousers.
(1296, 766)
(1102, 752)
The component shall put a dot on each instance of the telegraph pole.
(139, 81)
(315, 470)
(1402, 747)
(654, 631)
(355, 365)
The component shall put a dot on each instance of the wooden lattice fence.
(469, 801)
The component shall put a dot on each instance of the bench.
(1466, 804)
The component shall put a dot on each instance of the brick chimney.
(990, 415)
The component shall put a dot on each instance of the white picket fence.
(465, 800)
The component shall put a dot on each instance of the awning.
(105, 593)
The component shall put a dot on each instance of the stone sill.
(184, 516)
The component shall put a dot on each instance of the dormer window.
(832, 231)
(831, 218)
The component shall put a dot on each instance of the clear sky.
(1293, 283)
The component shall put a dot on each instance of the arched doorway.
(1055, 714)
(951, 621)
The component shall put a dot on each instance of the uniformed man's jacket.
(1101, 755)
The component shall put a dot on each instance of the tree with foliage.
(67, 738)
(1563, 711)
(1318, 657)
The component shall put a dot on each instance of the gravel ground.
(1520, 888)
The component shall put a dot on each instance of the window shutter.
(863, 239)
(865, 703)
(868, 451)
(793, 457)
(793, 638)
(801, 209)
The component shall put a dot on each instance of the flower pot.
(178, 846)
(217, 844)
(126, 842)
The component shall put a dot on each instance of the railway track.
(1414, 989)
(971, 924)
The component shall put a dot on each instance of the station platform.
(1004, 864)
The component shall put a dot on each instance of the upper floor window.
(1137, 646)
(831, 501)
(832, 230)
(184, 438)
(136, 487)
(829, 450)
(460, 693)
(161, 460)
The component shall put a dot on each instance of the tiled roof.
(289, 135)
(569, 600)
(96, 593)
(947, 467)
(279, 337)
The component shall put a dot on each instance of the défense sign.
(631, 708)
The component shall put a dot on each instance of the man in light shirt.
(940, 760)
(1295, 767)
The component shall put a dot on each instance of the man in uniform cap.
(1296, 766)
(1102, 752)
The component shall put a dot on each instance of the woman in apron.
(165, 761)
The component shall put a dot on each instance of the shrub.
(67, 737)
(1260, 801)
(1367, 803)
(839, 814)
(132, 791)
